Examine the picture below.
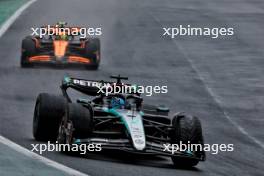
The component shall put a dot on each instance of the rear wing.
(90, 87)
(68, 30)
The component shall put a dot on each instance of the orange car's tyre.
(92, 51)
(93, 67)
(48, 113)
(28, 50)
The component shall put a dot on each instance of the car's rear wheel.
(28, 50)
(92, 51)
(49, 110)
(81, 118)
(188, 130)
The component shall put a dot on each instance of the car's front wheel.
(188, 130)
(81, 118)
(92, 51)
(49, 110)
(28, 50)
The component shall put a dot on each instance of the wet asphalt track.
(215, 79)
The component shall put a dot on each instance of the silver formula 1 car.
(116, 121)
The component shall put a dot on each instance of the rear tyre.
(81, 118)
(92, 51)
(28, 50)
(187, 129)
(94, 67)
(49, 110)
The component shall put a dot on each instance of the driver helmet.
(117, 103)
(62, 36)
(61, 24)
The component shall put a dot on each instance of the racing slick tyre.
(28, 50)
(49, 110)
(81, 118)
(188, 130)
(92, 51)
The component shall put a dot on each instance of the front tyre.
(76, 124)
(93, 52)
(81, 118)
(49, 110)
(188, 130)
(28, 50)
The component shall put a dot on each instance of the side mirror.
(162, 108)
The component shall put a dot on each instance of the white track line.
(37, 157)
(3, 28)
(217, 99)
(211, 93)
(12, 19)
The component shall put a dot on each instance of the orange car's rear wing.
(63, 31)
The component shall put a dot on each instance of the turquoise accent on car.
(115, 113)
(77, 141)
(83, 100)
(189, 152)
(163, 108)
(66, 79)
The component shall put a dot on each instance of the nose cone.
(60, 47)
(138, 138)
(134, 124)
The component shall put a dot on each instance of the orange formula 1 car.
(60, 49)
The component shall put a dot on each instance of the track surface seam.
(210, 91)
